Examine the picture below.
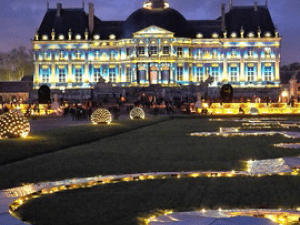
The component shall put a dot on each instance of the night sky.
(20, 18)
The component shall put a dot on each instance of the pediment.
(153, 31)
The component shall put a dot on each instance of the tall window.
(179, 73)
(268, 73)
(78, 55)
(179, 51)
(112, 75)
(199, 74)
(250, 73)
(97, 74)
(78, 75)
(190, 52)
(128, 74)
(233, 74)
(112, 55)
(215, 73)
(233, 52)
(268, 52)
(61, 55)
(153, 50)
(141, 50)
(214, 53)
(127, 52)
(250, 52)
(199, 53)
(62, 75)
(46, 55)
(166, 50)
(97, 54)
(45, 76)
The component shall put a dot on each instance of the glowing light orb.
(101, 116)
(137, 113)
(14, 124)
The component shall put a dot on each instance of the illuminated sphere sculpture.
(101, 116)
(137, 113)
(14, 124)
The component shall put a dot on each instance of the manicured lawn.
(123, 203)
(42, 142)
(165, 146)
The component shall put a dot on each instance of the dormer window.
(233, 52)
(250, 52)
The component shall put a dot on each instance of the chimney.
(223, 16)
(91, 17)
(58, 10)
(255, 6)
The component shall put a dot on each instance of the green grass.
(123, 203)
(39, 143)
(164, 146)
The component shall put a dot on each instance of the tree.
(15, 64)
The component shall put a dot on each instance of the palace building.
(156, 45)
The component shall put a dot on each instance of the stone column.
(70, 74)
(225, 70)
(36, 75)
(277, 69)
(242, 72)
(259, 77)
(86, 73)
(53, 74)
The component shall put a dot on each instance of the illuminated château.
(156, 45)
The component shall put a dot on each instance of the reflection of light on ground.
(234, 216)
(247, 133)
(288, 145)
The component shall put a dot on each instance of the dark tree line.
(15, 64)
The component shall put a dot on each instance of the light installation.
(101, 115)
(14, 124)
(137, 113)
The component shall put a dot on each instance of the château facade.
(156, 45)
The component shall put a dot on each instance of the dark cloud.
(20, 18)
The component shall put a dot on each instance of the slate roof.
(15, 87)
(249, 19)
(169, 19)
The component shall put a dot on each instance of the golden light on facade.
(101, 115)
(137, 113)
(14, 124)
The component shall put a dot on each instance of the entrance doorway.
(153, 77)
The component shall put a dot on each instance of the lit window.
(215, 73)
(46, 55)
(112, 75)
(112, 55)
(268, 73)
(97, 54)
(250, 73)
(233, 52)
(268, 52)
(214, 53)
(61, 55)
(179, 73)
(179, 51)
(97, 75)
(45, 76)
(250, 52)
(128, 74)
(200, 74)
(78, 55)
(78, 75)
(199, 53)
(141, 50)
(153, 50)
(62, 75)
(166, 50)
(233, 74)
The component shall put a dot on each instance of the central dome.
(167, 18)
